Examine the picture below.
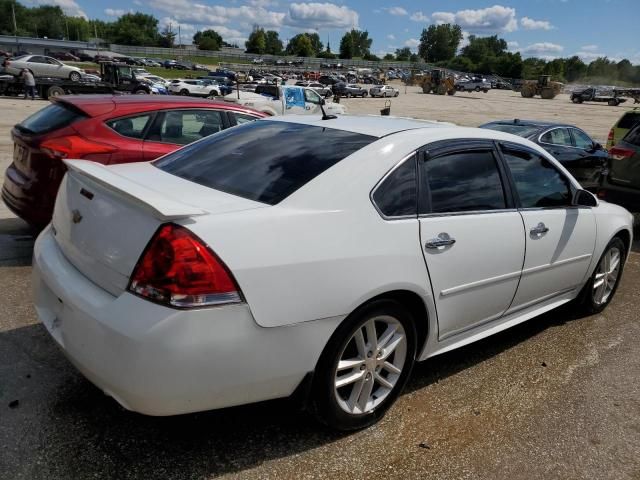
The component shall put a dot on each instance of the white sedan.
(384, 91)
(195, 88)
(297, 251)
(43, 66)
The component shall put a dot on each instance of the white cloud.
(531, 24)
(320, 15)
(114, 13)
(69, 7)
(588, 56)
(465, 40)
(484, 20)
(412, 43)
(589, 48)
(391, 36)
(397, 11)
(262, 3)
(419, 17)
(513, 46)
(542, 49)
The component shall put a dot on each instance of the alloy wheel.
(370, 364)
(606, 276)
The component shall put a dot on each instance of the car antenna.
(324, 114)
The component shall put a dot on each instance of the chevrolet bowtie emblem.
(76, 216)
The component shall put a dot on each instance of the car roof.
(374, 125)
(529, 123)
(95, 105)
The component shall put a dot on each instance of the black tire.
(364, 94)
(585, 303)
(397, 93)
(54, 91)
(214, 93)
(140, 91)
(184, 92)
(75, 76)
(612, 102)
(348, 95)
(477, 89)
(324, 393)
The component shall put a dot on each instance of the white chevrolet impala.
(296, 252)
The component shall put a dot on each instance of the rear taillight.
(619, 153)
(611, 138)
(74, 146)
(178, 269)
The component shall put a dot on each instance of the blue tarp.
(293, 97)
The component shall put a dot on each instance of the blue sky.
(544, 28)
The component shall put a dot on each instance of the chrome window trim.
(470, 212)
(382, 180)
(554, 144)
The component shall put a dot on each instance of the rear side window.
(515, 129)
(52, 117)
(132, 127)
(463, 182)
(633, 137)
(629, 120)
(397, 194)
(558, 136)
(264, 161)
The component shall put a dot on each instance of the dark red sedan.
(105, 129)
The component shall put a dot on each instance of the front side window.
(244, 118)
(463, 182)
(312, 97)
(132, 127)
(582, 139)
(37, 60)
(538, 183)
(264, 161)
(397, 195)
(557, 136)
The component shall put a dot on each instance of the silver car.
(42, 66)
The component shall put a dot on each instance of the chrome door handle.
(442, 240)
(539, 229)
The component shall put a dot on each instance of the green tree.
(389, 56)
(346, 46)
(167, 37)
(304, 45)
(403, 54)
(355, 43)
(273, 44)
(301, 46)
(533, 67)
(574, 68)
(208, 40)
(135, 29)
(479, 48)
(439, 42)
(625, 70)
(257, 42)
(602, 67)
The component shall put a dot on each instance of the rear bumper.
(160, 361)
(26, 199)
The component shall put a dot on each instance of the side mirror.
(597, 146)
(582, 198)
(323, 101)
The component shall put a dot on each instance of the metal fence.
(307, 62)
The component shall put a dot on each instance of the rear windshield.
(50, 118)
(633, 136)
(264, 161)
(520, 130)
(629, 120)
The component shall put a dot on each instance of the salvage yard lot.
(556, 397)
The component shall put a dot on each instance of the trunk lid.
(105, 216)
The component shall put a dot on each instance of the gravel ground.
(557, 397)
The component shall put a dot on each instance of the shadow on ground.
(59, 412)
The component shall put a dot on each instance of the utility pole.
(66, 23)
(179, 37)
(15, 25)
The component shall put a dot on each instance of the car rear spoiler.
(158, 203)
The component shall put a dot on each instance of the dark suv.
(622, 184)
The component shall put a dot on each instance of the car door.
(560, 238)
(39, 66)
(174, 128)
(131, 131)
(56, 68)
(472, 236)
(590, 160)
